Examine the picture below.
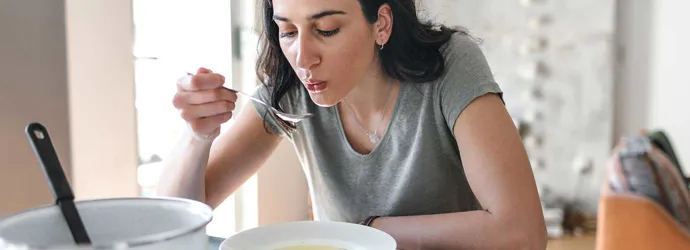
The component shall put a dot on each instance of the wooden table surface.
(585, 242)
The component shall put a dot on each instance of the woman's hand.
(202, 167)
(204, 104)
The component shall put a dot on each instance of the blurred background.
(578, 75)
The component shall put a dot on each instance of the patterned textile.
(638, 167)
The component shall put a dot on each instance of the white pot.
(128, 223)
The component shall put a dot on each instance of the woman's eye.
(328, 32)
(287, 34)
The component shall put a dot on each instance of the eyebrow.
(315, 16)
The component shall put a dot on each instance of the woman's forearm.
(463, 230)
(184, 171)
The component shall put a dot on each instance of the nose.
(307, 54)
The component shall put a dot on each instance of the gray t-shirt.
(415, 169)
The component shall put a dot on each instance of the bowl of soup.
(310, 235)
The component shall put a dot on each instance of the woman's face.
(329, 44)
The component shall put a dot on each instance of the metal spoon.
(285, 116)
(64, 198)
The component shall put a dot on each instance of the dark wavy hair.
(412, 54)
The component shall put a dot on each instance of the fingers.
(203, 102)
(201, 81)
(203, 70)
(184, 98)
(192, 112)
(209, 123)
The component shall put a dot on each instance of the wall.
(556, 71)
(668, 94)
(33, 87)
(282, 186)
(652, 84)
(101, 98)
(635, 22)
(646, 52)
(89, 112)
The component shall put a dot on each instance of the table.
(585, 242)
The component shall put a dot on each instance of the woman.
(409, 135)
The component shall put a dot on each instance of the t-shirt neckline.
(384, 138)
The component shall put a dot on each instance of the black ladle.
(64, 198)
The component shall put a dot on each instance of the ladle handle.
(64, 197)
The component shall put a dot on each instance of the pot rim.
(203, 208)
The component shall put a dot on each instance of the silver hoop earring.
(382, 46)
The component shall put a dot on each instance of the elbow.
(530, 238)
(525, 241)
(538, 239)
(526, 234)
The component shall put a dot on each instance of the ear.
(383, 27)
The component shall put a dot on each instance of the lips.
(315, 86)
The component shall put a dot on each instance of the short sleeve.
(467, 77)
(270, 120)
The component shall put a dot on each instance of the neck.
(368, 96)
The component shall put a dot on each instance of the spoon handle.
(249, 96)
(64, 198)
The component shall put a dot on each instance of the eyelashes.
(287, 34)
(328, 33)
(325, 33)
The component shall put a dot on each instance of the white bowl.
(119, 223)
(311, 233)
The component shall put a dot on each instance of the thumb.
(203, 70)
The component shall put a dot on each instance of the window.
(173, 37)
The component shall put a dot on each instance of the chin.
(323, 101)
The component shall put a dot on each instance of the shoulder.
(465, 63)
(461, 42)
(467, 76)
(462, 51)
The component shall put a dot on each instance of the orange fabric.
(631, 222)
